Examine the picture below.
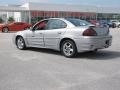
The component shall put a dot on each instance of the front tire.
(5, 29)
(20, 43)
(68, 48)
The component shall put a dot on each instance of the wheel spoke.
(68, 48)
(71, 50)
(20, 43)
(69, 45)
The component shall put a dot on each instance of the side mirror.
(31, 28)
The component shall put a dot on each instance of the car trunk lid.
(101, 31)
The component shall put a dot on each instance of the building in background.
(33, 12)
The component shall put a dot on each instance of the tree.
(1, 20)
(11, 19)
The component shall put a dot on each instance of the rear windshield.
(78, 22)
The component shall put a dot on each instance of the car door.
(54, 30)
(16, 26)
(35, 36)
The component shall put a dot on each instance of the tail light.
(89, 32)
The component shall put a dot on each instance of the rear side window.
(78, 22)
(56, 24)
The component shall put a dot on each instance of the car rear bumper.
(87, 43)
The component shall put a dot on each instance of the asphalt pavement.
(42, 69)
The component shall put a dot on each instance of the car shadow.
(47, 51)
(100, 55)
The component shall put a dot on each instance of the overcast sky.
(114, 3)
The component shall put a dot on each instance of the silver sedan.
(67, 35)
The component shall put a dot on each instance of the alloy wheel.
(20, 43)
(68, 48)
(5, 29)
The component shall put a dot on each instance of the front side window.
(19, 23)
(56, 24)
(41, 25)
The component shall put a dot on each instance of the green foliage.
(1, 20)
(11, 19)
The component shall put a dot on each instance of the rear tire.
(68, 48)
(20, 43)
(5, 29)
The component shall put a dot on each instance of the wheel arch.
(24, 46)
(17, 38)
(62, 40)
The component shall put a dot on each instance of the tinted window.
(78, 22)
(56, 24)
(19, 23)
